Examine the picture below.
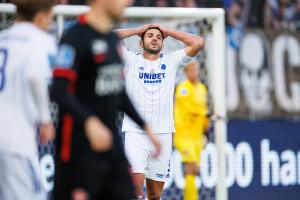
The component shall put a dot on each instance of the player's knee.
(138, 179)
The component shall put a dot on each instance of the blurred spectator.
(234, 22)
(142, 3)
(245, 13)
(278, 14)
(186, 3)
(73, 2)
(180, 3)
(242, 14)
(234, 13)
(297, 16)
(282, 13)
(256, 13)
(154, 3)
(227, 4)
(211, 3)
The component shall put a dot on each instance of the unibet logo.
(152, 77)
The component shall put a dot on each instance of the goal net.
(209, 23)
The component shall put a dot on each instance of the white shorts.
(139, 148)
(20, 178)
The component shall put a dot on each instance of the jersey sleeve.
(68, 57)
(180, 58)
(65, 73)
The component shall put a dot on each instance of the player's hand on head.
(142, 29)
(47, 132)
(155, 142)
(165, 30)
(99, 136)
(145, 27)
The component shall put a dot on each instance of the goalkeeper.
(191, 123)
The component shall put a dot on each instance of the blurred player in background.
(89, 88)
(191, 123)
(150, 82)
(26, 52)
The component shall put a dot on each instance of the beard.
(151, 50)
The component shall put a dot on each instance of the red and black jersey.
(88, 80)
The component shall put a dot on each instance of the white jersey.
(26, 55)
(150, 86)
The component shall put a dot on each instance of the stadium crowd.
(275, 14)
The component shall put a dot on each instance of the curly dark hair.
(143, 34)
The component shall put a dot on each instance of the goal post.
(216, 69)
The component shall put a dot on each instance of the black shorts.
(102, 178)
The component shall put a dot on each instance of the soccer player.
(191, 123)
(150, 82)
(25, 70)
(89, 88)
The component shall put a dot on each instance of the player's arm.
(206, 121)
(194, 43)
(38, 66)
(39, 90)
(128, 32)
(129, 109)
(206, 125)
(207, 118)
(65, 77)
(99, 135)
(61, 94)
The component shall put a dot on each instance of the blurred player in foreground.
(25, 70)
(89, 89)
(150, 82)
(191, 123)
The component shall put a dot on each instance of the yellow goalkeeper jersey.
(190, 111)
